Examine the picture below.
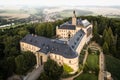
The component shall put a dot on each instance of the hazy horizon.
(60, 2)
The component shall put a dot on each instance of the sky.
(61, 2)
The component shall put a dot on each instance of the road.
(34, 74)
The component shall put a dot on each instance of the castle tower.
(74, 20)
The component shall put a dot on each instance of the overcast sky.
(61, 2)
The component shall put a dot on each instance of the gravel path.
(34, 74)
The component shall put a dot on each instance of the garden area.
(92, 62)
(91, 67)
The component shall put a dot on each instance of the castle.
(72, 36)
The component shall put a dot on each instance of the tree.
(49, 30)
(112, 41)
(10, 65)
(101, 24)
(43, 76)
(106, 37)
(22, 32)
(104, 33)
(105, 48)
(52, 71)
(95, 29)
(19, 60)
(110, 33)
(41, 29)
(24, 62)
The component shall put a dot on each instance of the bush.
(52, 71)
(86, 76)
(67, 68)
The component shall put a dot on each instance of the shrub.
(67, 68)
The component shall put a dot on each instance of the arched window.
(70, 61)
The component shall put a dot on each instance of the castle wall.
(41, 58)
(85, 39)
(63, 33)
(28, 47)
(74, 21)
(73, 63)
(81, 45)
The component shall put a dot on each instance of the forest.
(106, 33)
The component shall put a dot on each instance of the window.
(77, 39)
(89, 31)
(72, 46)
(70, 61)
(22, 44)
(59, 57)
(75, 43)
(55, 57)
(23, 49)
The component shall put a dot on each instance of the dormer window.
(30, 40)
(72, 46)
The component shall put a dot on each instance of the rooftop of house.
(79, 22)
(75, 40)
(50, 45)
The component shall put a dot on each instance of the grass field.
(86, 76)
(91, 68)
(113, 66)
(15, 15)
(92, 62)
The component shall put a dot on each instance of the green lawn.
(113, 66)
(67, 68)
(92, 65)
(92, 62)
(86, 76)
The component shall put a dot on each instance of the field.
(113, 66)
(17, 13)
(67, 13)
(86, 76)
(14, 15)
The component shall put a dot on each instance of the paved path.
(71, 78)
(101, 66)
(86, 55)
(34, 74)
(101, 61)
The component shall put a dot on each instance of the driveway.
(34, 74)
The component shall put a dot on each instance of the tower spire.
(74, 15)
(74, 18)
